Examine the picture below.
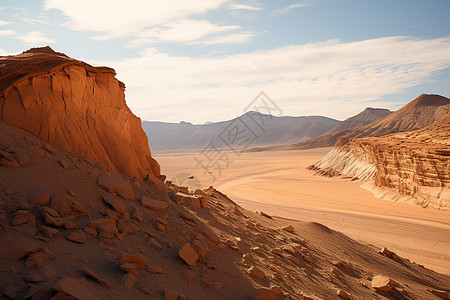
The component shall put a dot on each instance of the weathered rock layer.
(76, 107)
(412, 167)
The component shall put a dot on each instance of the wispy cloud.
(34, 21)
(244, 7)
(7, 33)
(152, 21)
(332, 78)
(182, 31)
(283, 10)
(35, 38)
(234, 38)
(2, 23)
(147, 21)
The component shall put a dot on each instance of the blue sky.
(206, 60)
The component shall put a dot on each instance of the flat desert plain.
(278, 183)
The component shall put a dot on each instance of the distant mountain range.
(419, 113)
(266, 132)
(262, 129)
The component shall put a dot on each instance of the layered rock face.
(75, 106)
(412, 167)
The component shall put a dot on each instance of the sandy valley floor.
(277, 183)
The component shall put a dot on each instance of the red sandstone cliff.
(75, 106)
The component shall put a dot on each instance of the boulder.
(172, 295)
(265, 215)
(48, 231)
(39, 196)
(131, 227)
(77, 288)
(263, 294)
(104, 225)
(201, 248)
(153, 269)
(384, 251)
(256, 272)
(382, 283)
(155, 205)
(187, 216)
(256, 249)
(137, 214)
(186, 199)
(62, 203)
(277, 251)
(138, 260)
(129, 280)
(77, 237)
(16, 248)
(289, 228)
(91, 231)
(94, 276)
(8, 160)
(128, 267)
(115, 203)
(115, 184)
(188, 255)
(37, 259)
(22, 159)
(23, 217)
(51, 217)
(152, 242)
(78, 209)
(343, 294)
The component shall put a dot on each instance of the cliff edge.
(75, 106)
(411, 167)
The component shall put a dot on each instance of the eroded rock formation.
(76, 107)
(412, 167)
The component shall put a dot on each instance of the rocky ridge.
(411, 167)
(76, 107)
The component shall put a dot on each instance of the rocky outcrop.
(75, 106)
(411, 167)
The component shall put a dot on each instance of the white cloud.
(2, 23)
(151, 21)
(234, 38)
(186, 31)
(119, 18)
(34, 21)
(7, 32)
(332, 78)
(283, 10)
(244, 7)
(35, 38)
